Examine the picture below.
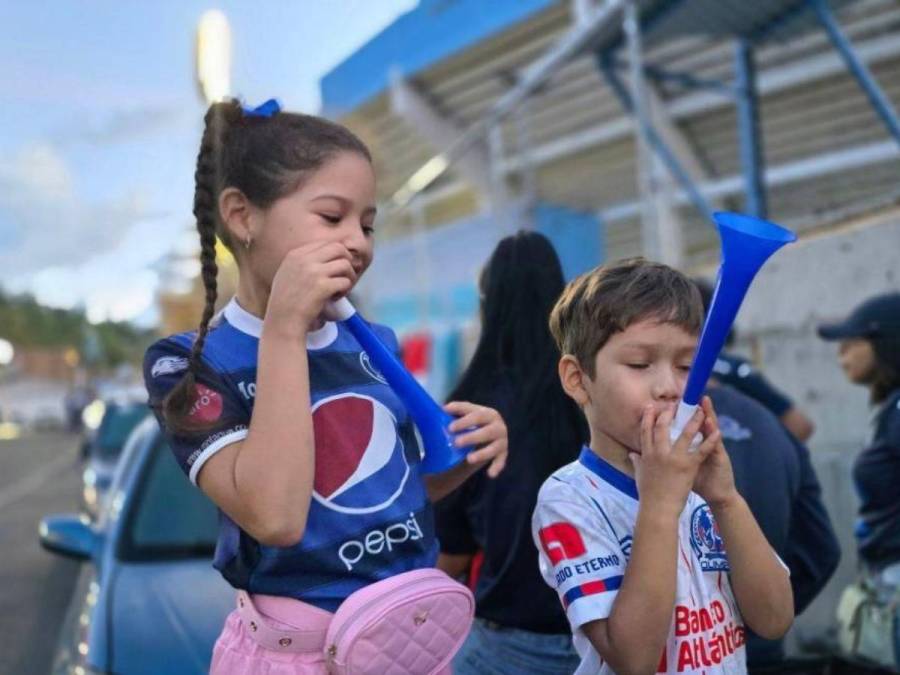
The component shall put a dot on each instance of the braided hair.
(266, 158)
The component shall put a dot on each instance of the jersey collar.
(252, 325)
(607, 472)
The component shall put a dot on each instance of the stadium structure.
(616, 127)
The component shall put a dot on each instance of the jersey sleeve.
(219, 414)
(578, 554)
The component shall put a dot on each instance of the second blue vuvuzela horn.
(430, 419)
(747, 243)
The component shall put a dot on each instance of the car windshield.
(118, 422)
(169, 518)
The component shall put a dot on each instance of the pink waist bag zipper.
(410, 623)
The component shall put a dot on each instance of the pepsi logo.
(361, 466)
(207, 407)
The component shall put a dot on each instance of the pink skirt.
(238, 652)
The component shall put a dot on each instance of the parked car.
(103, 445)
(147, 600)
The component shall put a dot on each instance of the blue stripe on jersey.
(592, 588)
(606, 518)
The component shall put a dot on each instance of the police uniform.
(369, 517)
(583, 527)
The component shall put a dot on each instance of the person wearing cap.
(739, 373)
(869, 353)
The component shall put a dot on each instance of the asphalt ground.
(39, 475)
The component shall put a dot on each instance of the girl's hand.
(489, 438)
(308, 277)
(665, 472)
(715, 479)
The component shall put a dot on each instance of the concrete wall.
(820, 278)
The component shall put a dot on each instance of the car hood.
(166, 616)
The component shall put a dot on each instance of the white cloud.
(125, 125)
(70, 253)
(45, 222)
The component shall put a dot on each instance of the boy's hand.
(665, 473)
(489, 436)
(715, 478)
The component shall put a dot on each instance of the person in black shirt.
(869, 353)
(739, 373)
(520, 626)
(774, 474)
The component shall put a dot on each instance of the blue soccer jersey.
(369, 517)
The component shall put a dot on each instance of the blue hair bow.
(266, 109)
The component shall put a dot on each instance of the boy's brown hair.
(608, 299)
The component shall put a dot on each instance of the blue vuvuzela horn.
(747, 243)
(431, 420)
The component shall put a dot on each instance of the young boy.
(645, 581)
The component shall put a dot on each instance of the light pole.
(213, 56)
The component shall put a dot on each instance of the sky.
(101, 123)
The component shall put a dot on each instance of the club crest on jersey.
(707, 542)
(361, 464)
(370, 368)
(166, 365)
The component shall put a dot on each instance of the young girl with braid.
(276, 413)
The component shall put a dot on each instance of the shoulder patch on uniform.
(207, 407)
(166, 365)
(561, 541)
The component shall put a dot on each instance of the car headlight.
(92, 414)
(90, 496)
(87, 670)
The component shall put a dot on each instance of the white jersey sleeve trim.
(212, 449)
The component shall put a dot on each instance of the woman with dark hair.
(520, 626)
(869, 353)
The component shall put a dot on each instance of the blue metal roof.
(431, 32)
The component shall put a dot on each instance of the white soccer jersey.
(583, 526)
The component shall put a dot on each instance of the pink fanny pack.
(412, 623)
